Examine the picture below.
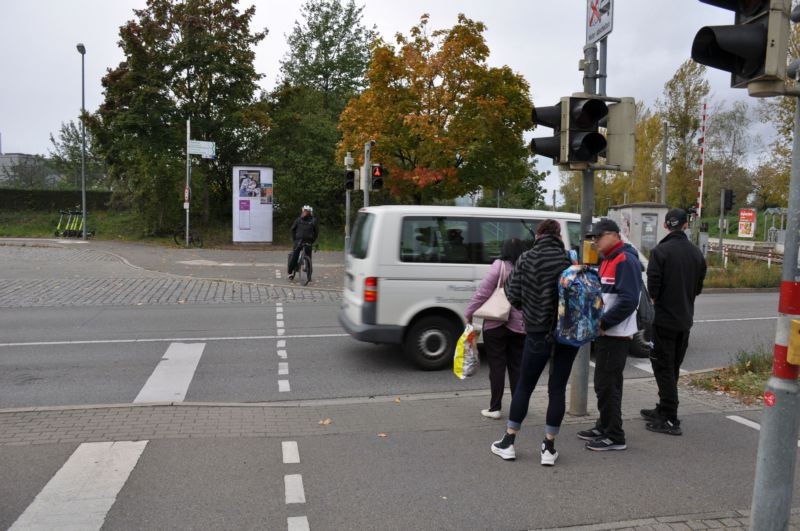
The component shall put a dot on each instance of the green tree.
(525, 193)
(65, 156)
(325, 67)
(190, 60)
(445, 122)
(682, 107)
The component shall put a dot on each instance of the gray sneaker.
(603, 445)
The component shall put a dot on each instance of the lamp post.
(82, 51)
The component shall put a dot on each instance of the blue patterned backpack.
(580, 305)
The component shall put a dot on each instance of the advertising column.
(252, 204)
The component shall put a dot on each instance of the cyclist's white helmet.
(308, 207)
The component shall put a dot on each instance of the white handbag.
(496, 307)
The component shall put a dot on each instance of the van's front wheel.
(431, 343)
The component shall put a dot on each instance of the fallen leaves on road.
(397, 400)
(382, 435)
(325, 422)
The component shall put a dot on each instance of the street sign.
(599, 19)
(207, 150)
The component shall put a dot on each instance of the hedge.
(51, 200)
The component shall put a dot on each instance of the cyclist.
(304, 232)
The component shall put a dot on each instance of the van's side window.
(362, 230)
(493, 232)
(435, 240)
(574, 232)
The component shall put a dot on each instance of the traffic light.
(753, 49)
(548, 117)
(376, 177)
(349, 179)
(621, 134)
(728, 201)
(584, 141)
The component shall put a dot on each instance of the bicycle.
(303, 265)
(195, 238)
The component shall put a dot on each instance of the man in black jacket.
(675, 276)
(304, 232)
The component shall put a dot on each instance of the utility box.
(641, 223)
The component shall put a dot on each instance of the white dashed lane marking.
(283, 386)
(291, 453)
(297, 523)
(283, 368)
(294, 488)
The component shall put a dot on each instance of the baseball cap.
(676, 217)
(604, 225)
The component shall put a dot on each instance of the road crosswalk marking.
(82, 492)
(171, 378)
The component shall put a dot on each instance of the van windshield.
(359, 241)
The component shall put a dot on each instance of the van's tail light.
(371, 289)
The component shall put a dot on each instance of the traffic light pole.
(777, 441)
(579, 379)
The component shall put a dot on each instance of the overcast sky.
(40, 68)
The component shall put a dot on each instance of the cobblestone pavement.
(41, 275)
(730, 520)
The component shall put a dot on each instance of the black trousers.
(669, 349)
(504, 353)
(610, 355)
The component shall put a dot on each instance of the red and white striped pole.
(777, 441)
(702, 160)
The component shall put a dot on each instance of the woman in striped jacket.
(533, 288)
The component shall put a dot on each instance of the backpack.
(580, 305)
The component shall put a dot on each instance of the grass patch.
(741, 274)
(745, 379)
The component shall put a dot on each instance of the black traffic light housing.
(584, 141)
(728, 196)
(377, 174)
(753, 49)
(349, 179)
(548, 117)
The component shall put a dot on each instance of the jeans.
(503, 352)
(538, 347)
(669, 349)
(610, 355)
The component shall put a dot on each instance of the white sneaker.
(549, 455)
(490, 414)
(504, 450)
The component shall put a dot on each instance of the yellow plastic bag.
(466, 361)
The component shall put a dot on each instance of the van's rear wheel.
(431, 343)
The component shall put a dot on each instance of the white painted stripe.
(173, 374)
(279, 304)
(283, 386)
(291, 454)
(294, 488)
(282, 354)
(643, 366)
(279, 316)
(277, 273)
(734, 320)
(281, 331)
(297, 523)
(279, 324)
(746, 422)
(281, 343)
(168, 340)
(82, 492)
(283, 368)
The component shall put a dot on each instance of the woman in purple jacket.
(504, 340)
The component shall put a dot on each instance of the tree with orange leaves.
(445, 122)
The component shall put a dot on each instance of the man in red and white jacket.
(621, 279)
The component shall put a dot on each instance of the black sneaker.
(603, 445)
(291, 276)
(505, 447)
(650, 414)
(670, 427)
(590, 435)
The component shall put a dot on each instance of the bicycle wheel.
(195, 240)
(305, 270)
(180, 236)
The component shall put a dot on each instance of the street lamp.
(82, 51)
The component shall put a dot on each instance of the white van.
(411, 270)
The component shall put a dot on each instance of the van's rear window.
(359, 241)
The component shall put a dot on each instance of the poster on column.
(252, 204)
